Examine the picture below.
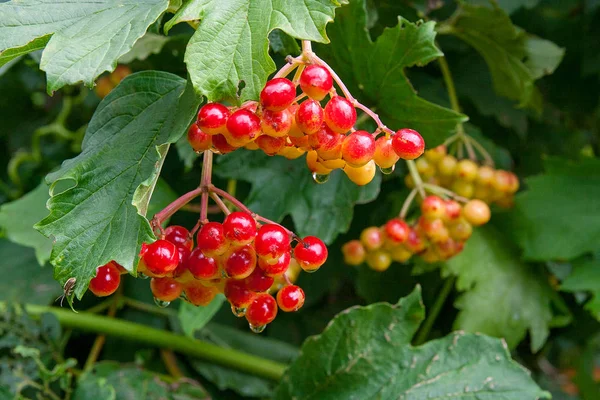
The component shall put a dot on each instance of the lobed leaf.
(585, 276)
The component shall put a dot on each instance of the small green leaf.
(149, 44)
(194, 318)
(543, 56)
(365, 353)
(585, 276)
(231, 45)
(188, 12)
(319, 210)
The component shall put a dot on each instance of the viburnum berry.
(202, 266)
(415, 242)
(463, 188)
(354, 252)
(275, 267)
(371, 238)
(278, 94)
(396, 230)
(425, 168)
(339, 114)
(408, 144)
(436, 154)
(485, 175)
(316, 82)
(243, 127)
(460, 230)
(362, 175)
(379, 260)
(271, 242)
(106, 281)
(290, 298)
(309, 117)
(453, 210)
(358, 148)
(179, 236)
(310, 253)
(212, 118)
(198, 294)
(384, 154)
(211, 239)
(240, 262)
(433, 207)
(434, 229)
(447, 165)
(262, 310)
(165, 289)
(276, 123)
(502, 181)
(160, 257)
(258, 281)
(239, 228)
(198, 139)
(221, 144)
(238, 293)
(466, 170)
(400, 254)
(476, 212)
(313, 164)
(270, 145)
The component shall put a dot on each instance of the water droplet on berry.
(320, 178)
(161, 303)
(238, 311)
(257, 328)
(387, 171)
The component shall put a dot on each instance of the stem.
(144, 334)
(484, 153)
(412, 168)
(268, 221)
(101, 339)
(435, 310)
(438, 190)
(306, 47)
(220, 192)
(141, 306)
(292, 64)
(407, 203)
(220, 203)
(315, 59)
(172, 208)
(170, 361)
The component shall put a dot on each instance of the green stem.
(145, 307)
(434, 311)
(144, 334)
(414, 173)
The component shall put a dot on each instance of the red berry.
(200, 295)
(290, 298)
(358, 148)
(239, 228)
(276, 267)
(198, 139)
(160, 257)
(309, 117)
(434, 229)
(240, 262)
(276, 123)
(119, 267)
(106, 281)
(396, 230)
(212, 118)
(184, 254)
(243, 127)
(354, 252)
(271, 242)
(330, 144)
(238, 294)
(211, 239)
(221, 144)
(262, 310)
(278, 94)
(179, 236)
(415, 243)
(371, 238)
(453, 210)
(433, 207)
(165, 289)
(258, 281)
(270, 145)
(201, 266)
(339, 114)
(408, 144)
(384, 154)
(316, 81)
(310, 253)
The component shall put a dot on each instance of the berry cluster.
(108, 82)
(438, 234)
(466, 178)
(287, 124)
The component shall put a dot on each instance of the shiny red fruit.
(258, 281)
(202, 266)
(243, 127)
(211, 239)
(200, 295)
(310, 253)
(184, 254)
(408, 144)
(278, 94)
(262, 310)
(106, 281)
(212, 118)
(239, 228)
(198, 139)
(238, 294)
(160, 257)
(396, 230)
(179, 236)
(358, 148)
(240, 262)
(276, 267)
(269, 144)
(453, 210)
(316, 81)
(221, 144)
(384, 154)
(339, 114)
(433, 207)
(165, 289)
(309, 117)
(276, 123)
(271, 241)
(290, 298)
(415, 242)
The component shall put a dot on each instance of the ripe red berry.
(240, 262)
(354, 252)
(453, 210)
(330, 144)
(316, 81)
(160, 257)
(243, 127)
(212, 118)
(384, 154)
(165, 289)
(269, 144)
(339, 114)
(276, 123)
(433, 207)
(179, 236)
(275, 267)
(198, 139)
(221, 144)
(201, 266)
(106, 281)
(415, 242)
(278, 94)
(238, 294)
(310, 253)
(262, 310)
(239, 228)
(200, 295)
(396, 230)
(184, 254)
(257, 281)
(211, 239)
(309, 116)
(290, 298)
(358, 148)
(408, 144)
(271, 242)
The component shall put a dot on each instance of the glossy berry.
(415, 243)
(200, 295)
(243, 127)
(396, 230)
(262, 310)
(271, 242)
(258, 281)
(221, 144)
(358, 148)
(275, 267)
(270, 145)
(239, 228)
(379, 260)
(316, 81)
(106, 281)
(198, 139)
(408, 144)
(476, 212)
(240, 262)
(238, 294)
(453, 210)
(165, 289)
(309, 117)
(313, 164)
(384, 154)
(276, 123)
(310, 253)
(179, 236)
(327, 143)
(160, 257)
(278, 94)
(339, 114)
(371, 238)
(202, 266)
(433, 207)
(290, 298)
(211, 239)
(184, 254)
(362, 175)
(212, 118)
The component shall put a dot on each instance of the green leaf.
(281, 187)
(375, 72)
(509, 6)
(194, 318)
(149, 44)
(543, 56)
(11, 54)
(94, 221)
(585, 276)
(231, 43)
(88, 37)
(365, 353)
(18, 217)
(503, 296)
(562, 203)
(188, 12)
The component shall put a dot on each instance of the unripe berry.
(211, 239)
(400, 254)
(310, 253)
(436, 154)
(309, 117)
(502, 181)
(354, 252)
(300, 142)
(408, 144)
(333, 164)
(106, 281)
(237, 293)
(275, 267)
(339, 114)
(200, 295)
(466, 170)
(485, 175)
(120, 73)
(371, 238)
(415, 243)
(160, 257)
(384, 155)
(201, 266)
(212, 118)
(243, 127)
(379, 260)
(453, 210)
(271, 242)
(198, 139)
(262, 310)
(434, 229)
(463, 188)
(447, 165)
(239, 262)
(270, 145)
(276, 123)
(103, 86)
(314, 165)
(361, 175)
(291, 152)
(278, 94)
(476, 212)
(290, 298)
(460, 230)
(396, 230)
(258, 281)
(316, 81)
(239, 228)
(433, 207)
(425, 168)
(179, 236)
(165, 289)
(358, 148)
